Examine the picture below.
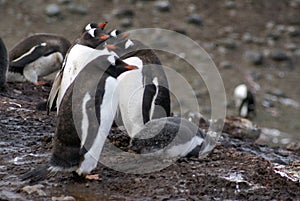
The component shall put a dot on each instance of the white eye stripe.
(88, 27)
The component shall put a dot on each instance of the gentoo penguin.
(36, 56)
(144, 93)
(80, 134)
(172, 137)
(93, 25)
(244, 101)
(81, 53)
(3, 63)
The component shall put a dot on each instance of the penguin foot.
(93, 177)
(39, 83)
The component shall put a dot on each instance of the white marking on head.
(92, 32)
(240, 93)
(114, 33)
(85, 120)
(112, 59)
(88, 27)
(134, 61)
(128, 44)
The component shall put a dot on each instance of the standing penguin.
(81, 53)
(244, 101)
(144, 93)
(84, 118)
(3, 63)
(36, 56)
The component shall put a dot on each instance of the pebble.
(247, 38)
(279, 56)
(293, 31)
(35, 188)
(230, 5)
(291, 46)
(195, 19)
(163, 6)
(64, 1)
(53, 10)
(63, 198)
(226, 64)
(78, 9)
(254, 57)
(229, 43)
(126, 22)
(123, 13)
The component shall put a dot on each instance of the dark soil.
(229, 172)
(235, 170)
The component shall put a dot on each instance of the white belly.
(76, 60)
(131, 92)
(107, 113)
(43, 66)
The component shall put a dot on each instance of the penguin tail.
(37, 174)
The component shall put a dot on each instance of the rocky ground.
(254, 42)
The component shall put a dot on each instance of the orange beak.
(125, 35)
(104, 37)
(129, 67)
(102, 25)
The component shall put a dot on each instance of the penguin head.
(119, 68)
(240, 93)
(114, 33)
(93, 25)
(93, 37)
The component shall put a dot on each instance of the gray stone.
(247, 38)
(53, 10)
(254, 57)
(163, 6)
(279, 55)
(126, 22)
(293, 31)
(291, 46)
(78, 9)
(65, 1)
(226, 64)
(195, 19)
(230, 4)
(123, 13)
(229, 43)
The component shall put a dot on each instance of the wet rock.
(123, 13)
(229, 43)
(163, 6)
(291, 46)
(78, 9)
(294, 31)
(247, 38)
(279, 55)
(53, 10)
(65, 1)
(230, 4)
(8, 195)
(226, 64)
(34, 189)
(63, 198)
(254, 57)
(126, 22)
(195, 19)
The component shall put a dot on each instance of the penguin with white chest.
(36, 56)
(244, 101)
(3, 63)
(80, 134)
(144, 93)
(81, 53)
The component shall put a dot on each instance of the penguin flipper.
(30, 56)
(54, 91)
(36, 174)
